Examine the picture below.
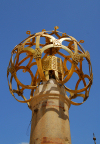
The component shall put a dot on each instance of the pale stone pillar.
(50, 118)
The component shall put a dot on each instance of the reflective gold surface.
(46, 56)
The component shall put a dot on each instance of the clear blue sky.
(79, 18)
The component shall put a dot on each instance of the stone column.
(50, 117)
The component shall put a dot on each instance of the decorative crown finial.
(49, 65)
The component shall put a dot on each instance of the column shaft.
(50, 118)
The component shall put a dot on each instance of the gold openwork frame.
(51, 47)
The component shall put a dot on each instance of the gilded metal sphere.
(48, 64)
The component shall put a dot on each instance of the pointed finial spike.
(94, 138)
